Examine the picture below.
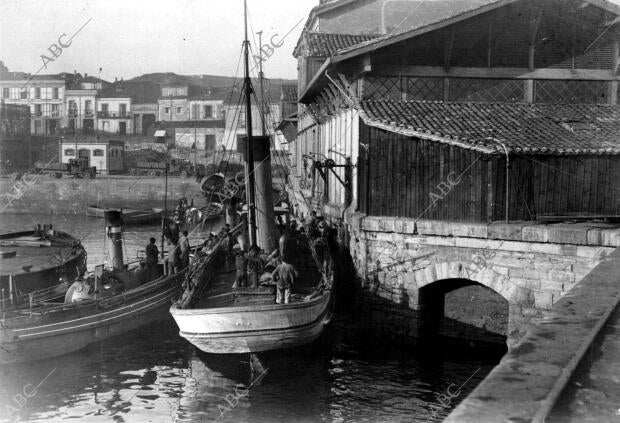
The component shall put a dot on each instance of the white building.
(106, 156)
(114, 115)
(45, 97)
(80, 111)
(236, 120)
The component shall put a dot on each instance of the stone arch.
(492, 279)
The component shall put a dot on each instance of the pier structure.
(472, 155)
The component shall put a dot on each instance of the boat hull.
(47, 271)
(37, 342)
(130, 216)
(234, 330)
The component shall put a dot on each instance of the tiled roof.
(289, 93)
(523, 128)
(322, 44)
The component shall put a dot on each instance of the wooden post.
(490, 190)
(529, 90)
(446, 89)
(613, 85)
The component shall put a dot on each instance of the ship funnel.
(114, 234)
(265, 217)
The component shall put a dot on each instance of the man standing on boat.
(284, 275)
(152, 254)
(184, 246)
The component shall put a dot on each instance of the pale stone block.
(535, 233)
(510, 231)
(594, 236)
(610, 237)
(543, 299)
(568, 234)
(560, 276)
(532, 284)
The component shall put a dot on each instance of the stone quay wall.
(530, 266)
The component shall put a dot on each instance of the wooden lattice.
(426, 89)
(583, 92)
(486, 90)
(382, 88)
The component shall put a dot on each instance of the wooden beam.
(448, 45)
(497, 73)
(489, 43)
(533, 32)
(529, 90)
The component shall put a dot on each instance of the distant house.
(80, 111)
(288, 112)
(114, 110)
(16, 150)
(43, 94)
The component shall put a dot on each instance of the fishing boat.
(42, 261)
(218, 312)
(130, 216)
(108, 303)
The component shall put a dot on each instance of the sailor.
(255, 266)
(241, 267)
(174, 258)
(284, 275)
(152, 254)
(184, 249)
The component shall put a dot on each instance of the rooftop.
(289, 93)
(323, 44)
(523, 128)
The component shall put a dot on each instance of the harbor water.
(153, 375)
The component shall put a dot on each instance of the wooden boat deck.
(220, 292)
(38, 255)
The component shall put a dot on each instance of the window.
(37, 110)
(195, 111)
(167, 110)
(23, 93)
(98, 152)
(55, 110)
(69, 152)
(207, 112)
(37, 92)
(104, 109)
(122, 109)
(5, 93)
(55, 93)
(210, 142)
(179, 110)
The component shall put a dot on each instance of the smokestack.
(115, 238)
(265, 217)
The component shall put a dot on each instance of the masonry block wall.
(530, 266)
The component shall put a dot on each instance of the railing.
(117, 115)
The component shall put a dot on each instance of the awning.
(160, 133)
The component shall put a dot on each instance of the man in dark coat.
(284, 275)
(152, 257)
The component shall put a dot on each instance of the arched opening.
(462, 309)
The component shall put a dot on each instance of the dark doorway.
(147, 120)
(84, 153)
(122, 128)
(88, 126)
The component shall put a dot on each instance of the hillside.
(214, 82)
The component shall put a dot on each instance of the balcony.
(113, 115)
(88, 113)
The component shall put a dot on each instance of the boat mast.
(260, 79)
(247, 87)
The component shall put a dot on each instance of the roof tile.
(523, 128)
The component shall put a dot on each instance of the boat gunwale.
(174, 309)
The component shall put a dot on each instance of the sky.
(127, 38)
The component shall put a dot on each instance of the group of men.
(178, 255)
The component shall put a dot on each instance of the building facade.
(44, 97)
(114, 115)
(475, 81)
(106, 156)
(80, 107)
(16, 150)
